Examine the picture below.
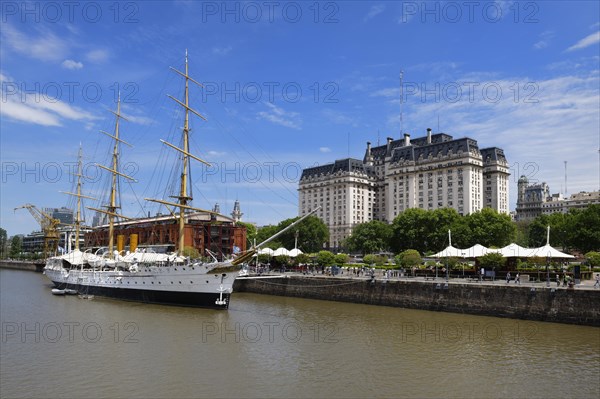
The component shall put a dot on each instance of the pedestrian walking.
(507, 277)
(557, 280)
(517, 279)
(597, 280)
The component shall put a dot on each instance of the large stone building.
(430, 172)
(534, 200)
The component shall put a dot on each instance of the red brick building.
(219, 234)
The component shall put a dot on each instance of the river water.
(268, 346)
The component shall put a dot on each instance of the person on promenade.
(597, 280)
(517, 279)
(557, 280)
(507, 277)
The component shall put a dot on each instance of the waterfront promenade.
(441, 278)
(528, 300)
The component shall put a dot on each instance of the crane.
(49, 228)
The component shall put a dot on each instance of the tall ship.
(141, 274)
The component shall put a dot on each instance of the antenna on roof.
(377, 137)
(401, 104)
(438, 124)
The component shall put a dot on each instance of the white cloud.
(97, 56)
(375, 10)
(70, 64)
(222, 50)
(539, 124)
(280, 117)
(587, 41)
(216, 153)
(339, 118)
(42, 45)
(36, 108)
(544, 41)
(391, 92)
(324, 149)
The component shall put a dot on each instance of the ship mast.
(183, 195)
(111, 208)
(78, 194)
(183, 199)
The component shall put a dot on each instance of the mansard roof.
(413, 153)
(493, 154)
(382, 151)
(344, 165)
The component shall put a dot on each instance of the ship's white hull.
(205, 285)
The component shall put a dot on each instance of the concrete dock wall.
(562, 305)
(22, 265)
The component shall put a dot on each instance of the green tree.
(560, 230)
(264, 258)
(312, 234)
(425, 231)
(440, 221)
(251, 231)
(341, 259)
(302, 259)
(490, 228)
(16, 244)
(585, 229)
(369, 237)
(3, 242)
(266, 232)
(492, 261)
(593, 258)
(522, 235)
(408, 258)
(369, 259)
(411, 229)
(282, 260)
(191, 252)
(325, 258)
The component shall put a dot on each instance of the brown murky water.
(267, 346)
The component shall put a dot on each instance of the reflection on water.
(268, 346)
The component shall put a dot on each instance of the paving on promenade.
(379, 276)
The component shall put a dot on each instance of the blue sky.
(288, 85)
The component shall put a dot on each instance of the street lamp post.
(548, 271)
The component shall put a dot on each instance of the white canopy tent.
(510, 251)
(294, 252)
(478, 250)
(515, 251)
(266, 251)
(549, 252)
(281, 251)
(449, 252)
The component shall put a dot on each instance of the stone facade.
(534, 200)
(430, 172)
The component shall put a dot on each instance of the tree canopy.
(425, 231)
(578, 229)
(312, 234)
(370, 237)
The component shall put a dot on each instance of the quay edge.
(23, 265)
(559, 305)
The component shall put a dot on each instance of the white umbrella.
(449, 252)
(478, 250)
(294, 252)
(266, 251)
(549, 252)
(515, 251)
(281, 251)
